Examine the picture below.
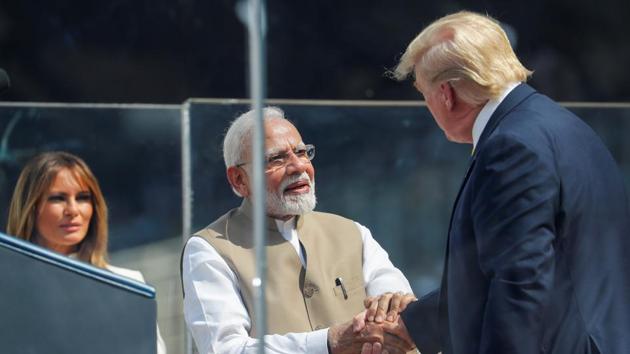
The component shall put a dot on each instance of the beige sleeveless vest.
(298, 299)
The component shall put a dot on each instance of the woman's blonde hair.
(32, 185)
(469, 50)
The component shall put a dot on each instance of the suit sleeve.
(514, 211)
(422, 321)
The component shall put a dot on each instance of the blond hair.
(469, 50)
(35, 180)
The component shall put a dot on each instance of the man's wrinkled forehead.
(280, 134)
(281, 124)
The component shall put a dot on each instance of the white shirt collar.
(285, 227)
(288, 231)
(486, 112)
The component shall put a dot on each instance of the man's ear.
(447, 94)
(238, 180)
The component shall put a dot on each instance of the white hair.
(237, 141)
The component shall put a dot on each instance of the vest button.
(310, 289)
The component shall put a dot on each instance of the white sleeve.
(379, 273)
(216, 315)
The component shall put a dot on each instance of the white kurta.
(218, 319)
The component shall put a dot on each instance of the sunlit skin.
(64, 214)
(280, 136)
(454, 116)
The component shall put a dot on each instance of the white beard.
(295, 204)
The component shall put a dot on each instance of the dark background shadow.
(164, 51)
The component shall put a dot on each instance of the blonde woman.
(58, 204)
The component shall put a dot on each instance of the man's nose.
(296, 164)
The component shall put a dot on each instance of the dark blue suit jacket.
(538, 253)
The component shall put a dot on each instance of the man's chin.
(299, 204)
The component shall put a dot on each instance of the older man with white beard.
(321, 266)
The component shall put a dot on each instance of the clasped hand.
(378, 329)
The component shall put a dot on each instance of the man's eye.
(300, 152)
(275, 159)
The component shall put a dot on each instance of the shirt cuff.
(317, 342)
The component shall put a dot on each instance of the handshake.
(376, 330)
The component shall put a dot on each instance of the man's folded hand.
(343, 339)
(387, 306)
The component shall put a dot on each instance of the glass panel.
(386, 165)
(134, 151)
(612, 123)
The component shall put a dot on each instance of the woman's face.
(64, 213)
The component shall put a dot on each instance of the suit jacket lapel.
(520, 93)
(513, 99)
